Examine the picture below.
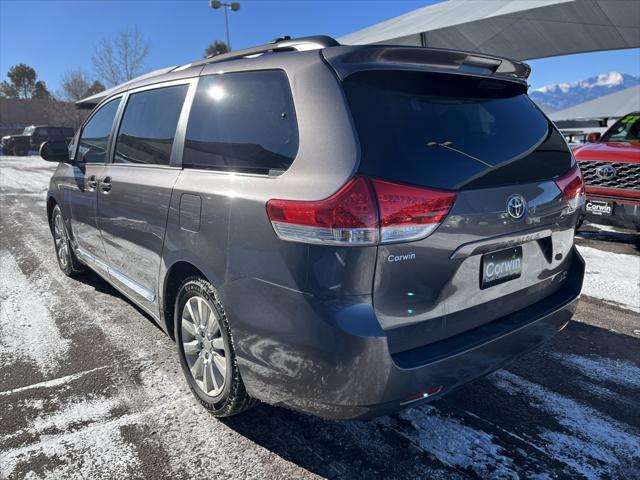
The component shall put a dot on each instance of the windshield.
(627, 129)
(28, 130)
(451, 131)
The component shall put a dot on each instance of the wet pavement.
(90, 387)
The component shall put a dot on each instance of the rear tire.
(206, 351)
(67, 260)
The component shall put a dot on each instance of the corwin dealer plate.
(598, 207)
(501, 266)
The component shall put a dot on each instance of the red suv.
(611, 168)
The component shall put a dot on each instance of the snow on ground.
(26, 327)
(25, 175)
(75, 430)
(95, 451)
(612, 277)
(601, 369)
(456, 444)
(587, 441)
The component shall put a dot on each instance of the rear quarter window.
(242, 122)
(452, 131)
(148, 126)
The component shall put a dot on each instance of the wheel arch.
(51, 204)
(175, 275)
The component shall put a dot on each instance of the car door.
(135, 188)
(81, 191)
(40, 135)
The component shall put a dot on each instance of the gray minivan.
(343, 230)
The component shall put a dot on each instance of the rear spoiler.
(349, 59)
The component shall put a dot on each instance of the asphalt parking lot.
(90, 387)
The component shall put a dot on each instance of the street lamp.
(234, 6)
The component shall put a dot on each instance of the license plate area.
(500, 266)
(599, 207)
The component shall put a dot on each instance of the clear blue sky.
(55, 36)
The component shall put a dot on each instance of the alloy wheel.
(61, 241)
(203, 345)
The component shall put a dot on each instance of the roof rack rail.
(282, 44)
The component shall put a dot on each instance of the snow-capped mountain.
(563, 95)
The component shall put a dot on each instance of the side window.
(95, 134)
(149, 126)
(41, 132)
(242, 122)
(67, 132)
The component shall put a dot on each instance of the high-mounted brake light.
(571, 184)
(363, 212)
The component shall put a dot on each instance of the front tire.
(205, 348)
(67, 260)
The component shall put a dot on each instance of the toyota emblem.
(606, 172)
(516, 206)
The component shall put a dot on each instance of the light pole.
(234, 6)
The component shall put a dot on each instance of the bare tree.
(216, 48)
(120, 59)
(75, 85)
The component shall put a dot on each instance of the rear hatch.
(506, 240)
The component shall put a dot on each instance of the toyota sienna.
(343, 230)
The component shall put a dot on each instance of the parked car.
(611, 168)
(343, 230)
(32, 137)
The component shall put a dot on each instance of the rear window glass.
(242, 122)
(451, 131)
(149, 126)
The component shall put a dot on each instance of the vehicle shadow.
(99, 284)
(482, 429)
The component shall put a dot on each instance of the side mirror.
(593, 137)
(55, 151)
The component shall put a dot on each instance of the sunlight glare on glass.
(216, 92)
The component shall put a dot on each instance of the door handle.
(105, 185)
(92, 183)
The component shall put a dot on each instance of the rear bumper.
(341, 367)
(625, 214)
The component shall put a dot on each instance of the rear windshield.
(452, 131)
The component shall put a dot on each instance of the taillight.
(361, 215)
(409, 213)
(571, 185)
(348, 217)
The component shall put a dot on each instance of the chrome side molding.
(132, 285)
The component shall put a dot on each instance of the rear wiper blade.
(448, 144)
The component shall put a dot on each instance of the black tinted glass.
(149, 125)
(242, 122)
(67, 132)
(95, 134)
(452, 131)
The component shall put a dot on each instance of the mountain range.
(564, 95)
